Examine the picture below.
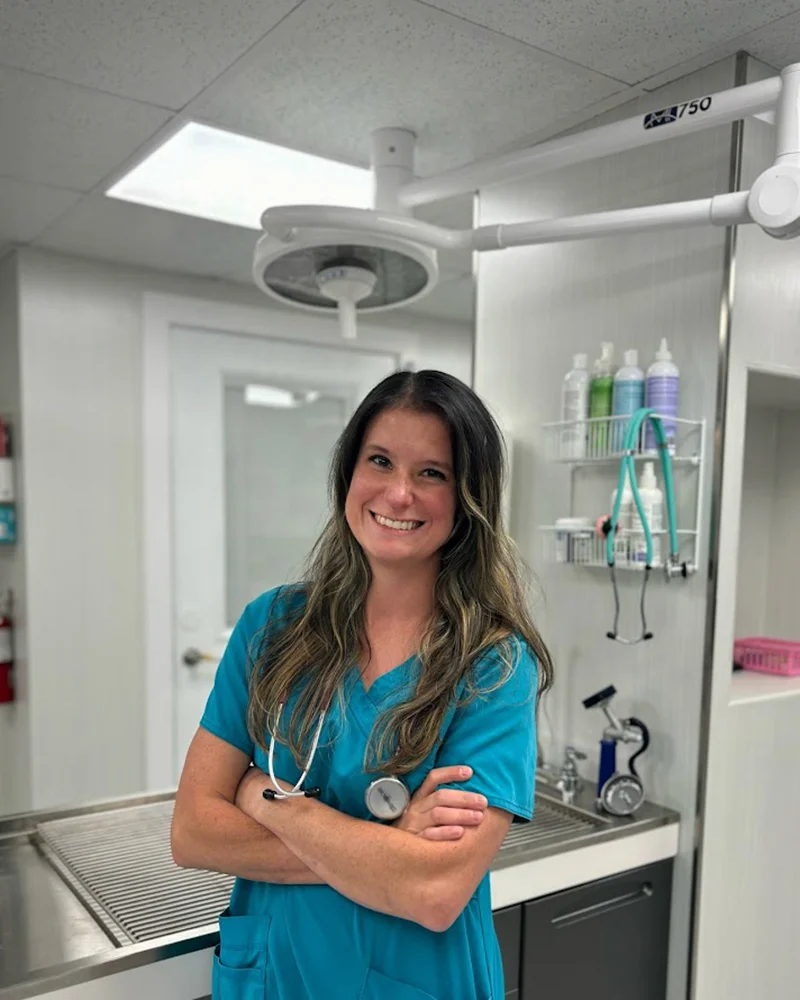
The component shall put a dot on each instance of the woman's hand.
(442, 813)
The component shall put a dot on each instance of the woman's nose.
(399, 490)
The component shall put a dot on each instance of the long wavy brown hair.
(317, 633)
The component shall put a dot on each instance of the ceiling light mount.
(399, 251)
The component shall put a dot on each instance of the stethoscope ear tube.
(272, 795)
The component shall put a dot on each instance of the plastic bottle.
(624, 522)
(661, 394)
(601, 390)
(653, 504)
(575, 407)
(627, 397)
(574, 538)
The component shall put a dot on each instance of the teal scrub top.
(298, 942)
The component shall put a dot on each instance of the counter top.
(750, 686)
(56, 933)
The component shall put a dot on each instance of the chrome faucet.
(570, 781)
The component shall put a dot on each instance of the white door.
(253, 422)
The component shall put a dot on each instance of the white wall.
(782, 619)
(731, 956)
(769, 533)
(758, 497)
(81, 360)
(14, 777)
(535, 308)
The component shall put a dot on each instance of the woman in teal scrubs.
(411, 640)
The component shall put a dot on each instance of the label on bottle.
(653, 511)
(627, 399)
(575, 402)
(600, 396)
(661, 395)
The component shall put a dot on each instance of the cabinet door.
(508, 927)
(607, 940)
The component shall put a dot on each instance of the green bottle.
(601, 391)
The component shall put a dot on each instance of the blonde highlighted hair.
(481, 600)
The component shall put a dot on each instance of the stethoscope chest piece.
(387, 798)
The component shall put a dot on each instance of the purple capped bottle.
(661, 391)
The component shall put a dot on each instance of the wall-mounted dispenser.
(8, 510)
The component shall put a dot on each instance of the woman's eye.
(380, 460)
(435, 473)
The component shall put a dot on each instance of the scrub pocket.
(240, 961)
(380, 987)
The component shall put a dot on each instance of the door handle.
(645, 891)
(192, 656)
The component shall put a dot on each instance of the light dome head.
(288, 271)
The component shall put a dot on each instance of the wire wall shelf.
(583, 547)
(596, 444)
(599, 439)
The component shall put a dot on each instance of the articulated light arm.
(774, 202)
(305, 245)
(681, 118)
(721, 210)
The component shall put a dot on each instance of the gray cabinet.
(508, 927)
(607, 940)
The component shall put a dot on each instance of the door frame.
(160, 312)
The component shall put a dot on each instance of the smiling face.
(401, 502)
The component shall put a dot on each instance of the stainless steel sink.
(119, 864)
(554, 825)
(109, 866)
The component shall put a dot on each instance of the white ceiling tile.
(778, 44)
(148, 237)
(630, 40)
(159, 51)
(332, 72)
(26, 209)
(70, 137)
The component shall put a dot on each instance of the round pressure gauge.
(622, 794)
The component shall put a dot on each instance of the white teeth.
(399, 525)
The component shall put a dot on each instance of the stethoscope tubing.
(628, 470)
(391, 811)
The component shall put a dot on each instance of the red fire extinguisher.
(6, 651)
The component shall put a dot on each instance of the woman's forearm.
(377, 866)
(213, 834)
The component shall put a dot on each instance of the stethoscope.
(386, 797)
(627, 469)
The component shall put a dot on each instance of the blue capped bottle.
(627, 397)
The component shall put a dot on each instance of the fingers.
(452, 798)
(443, 776)
(440, 833)
(443, 816)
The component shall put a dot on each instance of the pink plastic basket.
(768, 656)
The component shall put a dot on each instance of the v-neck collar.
(388, 683)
